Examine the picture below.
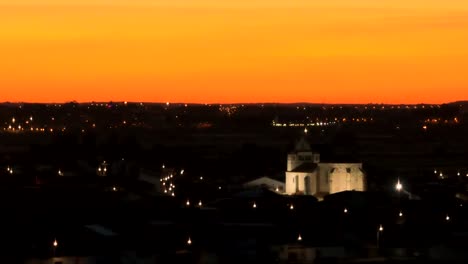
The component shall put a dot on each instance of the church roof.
(306, 167)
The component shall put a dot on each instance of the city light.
(254, 205)
(400, 214)
(447, 218)
(345, 210)
(189, 241)
(55, 244)
(299, 237)
(380, 228)
(291, 207)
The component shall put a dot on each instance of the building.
(266, 182)
(307, 175)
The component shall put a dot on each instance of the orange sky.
(332, 51)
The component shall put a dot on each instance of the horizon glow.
(207, 51)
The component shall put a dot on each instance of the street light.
(345, 210)
(380, 230)
(291, 207)
(254, 205)
(189, 241)
(299, 238)
(399, 186)
(447, 218)
(400, 214)
(55, 243)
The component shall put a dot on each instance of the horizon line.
(218, 103)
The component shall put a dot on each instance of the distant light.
(447, 218)
(31, 118)
(219, 187)
(291, 207)
(305, 130)
(277, 189)
(163, 166)
(189, 241)
(380, 228)
(201, 178)
(458, 173)
(299, 237)
(55, 243)
(435, 171)
(345, 210)
(400, 214)
(254, 205)
(173, 194)
(182, 172)
(167, 103)
(187, 203)
(114, 188)
(13, 120)
(441, 175)
(200, 203)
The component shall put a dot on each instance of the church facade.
(306, 175)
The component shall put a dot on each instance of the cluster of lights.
(442, 175)
(102, 169)
(10, 170)
(303, 124)
(167, 184)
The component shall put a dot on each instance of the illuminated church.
(306, 175)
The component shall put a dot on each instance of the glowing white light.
(254, 205)
(345, 210)
(299, 237)
(380, 228)
(447, 218)
(400, 214)
(188, 203)
(399, 186)
(55, 243)
(189, 241)
(200, 203)
(291, 207)
(114, 188)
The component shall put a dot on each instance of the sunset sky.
(224, 51)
